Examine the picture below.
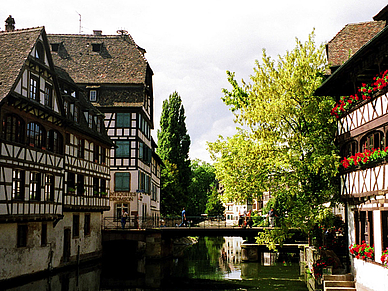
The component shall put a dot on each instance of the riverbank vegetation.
(285, 145)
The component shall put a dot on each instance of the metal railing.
(149, 222)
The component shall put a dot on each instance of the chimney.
(97, 32)
(10, 24)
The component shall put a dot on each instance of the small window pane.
(123, 149)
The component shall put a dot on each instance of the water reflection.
(210, 264)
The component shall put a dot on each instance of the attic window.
(96, 47)
(55, 47)
(39, 51)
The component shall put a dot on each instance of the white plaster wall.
(377, 235)
(87, 244)
(370, 276)
(16, 261)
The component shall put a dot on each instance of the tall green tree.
(288, 148)
(173, 149)
(201, 184)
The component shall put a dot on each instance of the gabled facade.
(43, 224)
(362, 137)
(118, 81)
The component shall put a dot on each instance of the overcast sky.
(191, 44)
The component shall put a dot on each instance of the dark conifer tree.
(173, 149)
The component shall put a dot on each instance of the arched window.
(54, 142)
(372, 141)
(35, 135)
(349, 149)
(13, 128)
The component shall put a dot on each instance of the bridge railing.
(148, 222)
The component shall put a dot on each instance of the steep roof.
(118, 60)
(350, 39)
(366, 63)
(15, 48)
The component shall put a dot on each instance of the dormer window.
(93, 95)
(96, 47)
(55, 47)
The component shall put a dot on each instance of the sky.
(191, 44)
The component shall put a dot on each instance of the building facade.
(359, 64)
(50, 214)
(113, 71)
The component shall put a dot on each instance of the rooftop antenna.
(80, 27)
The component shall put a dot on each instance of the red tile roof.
(15, 48)
(350, 39)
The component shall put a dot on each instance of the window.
(35, 186)
(96, 186)
(34, 88)
(39, 51)
(55, 142)
(43, 235)
(75, 225)
(90, 120)
(22, 235)
(76, 113)
(349, 149)
(103, 186)
(99, 122)
(93, 95)
(120, 208)
(96, 153)
(81, 148)
(371, 141)
(96, 47)
(87, 224)
(103, 155)
(123, 149)
(18, 184)
(123, 119)
(66, 107)
(13, 128)
(80, 184)
(144, 182)
(55, 47)
(48, 99)
(49, 188)
(70, 183)
(154, 192)
(122, 181)
(35, 135)
(145, 153)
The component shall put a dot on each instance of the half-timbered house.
(113, 71)
(359, 84)
(43, 223)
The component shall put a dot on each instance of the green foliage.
(288, 147)
(201, 184)
(214, 205)
(173, 149)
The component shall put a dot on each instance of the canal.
(213, 263)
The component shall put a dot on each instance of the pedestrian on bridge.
(183, 217)
(124, 218)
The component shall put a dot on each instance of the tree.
(201, 184)
(288, 147)
(214, 204)
(173, 149)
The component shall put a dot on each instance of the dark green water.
(202, 267)
(210, 264)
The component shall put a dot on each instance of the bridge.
(157, 234)
(196, 226)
